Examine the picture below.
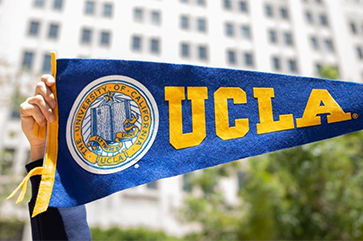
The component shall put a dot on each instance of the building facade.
(295, 37)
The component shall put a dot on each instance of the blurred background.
(309, 192)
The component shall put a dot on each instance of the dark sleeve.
(56, 223)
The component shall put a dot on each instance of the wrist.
(36, 152)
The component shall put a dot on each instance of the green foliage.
(11, 229)
(207, 182)
(7, 180)
(6, 161)
(134, 234)
(308, 192)
(329, 72)
(218, 218)
(16, 100)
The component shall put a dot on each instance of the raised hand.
(38, 108)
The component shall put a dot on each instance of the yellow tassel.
(23, 184)
(50, 159)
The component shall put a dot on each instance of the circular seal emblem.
(112, 124)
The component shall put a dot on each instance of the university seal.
(112, 124)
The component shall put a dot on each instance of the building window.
(28, 58)
(248, 59)
(138, 14)
(202, 53)
(323, 20)
(276, 63)
(201, 2)
(292, 66)
(58, 4)
(202, 25)
(107, 10)
(329, 45)
(246, 31)
(231, 57)
(227, 4)
(152, 185)
(53, 31)
(269, 11)
(184, 1)
(33, 28)
(155, 17)
(353, 28)
(283, 13)
(39, 3)
(229, 29)
(89, 8)
(86, 36)
(155, 46)
(243, 7)
(105, 38)
(360, 53)
(47, 63)
(288, 39)
(136, 43)
(314, 43)
(309, 17)
(184, 22)
(185, 50)
(272, 36)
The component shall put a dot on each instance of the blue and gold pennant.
(125, 123)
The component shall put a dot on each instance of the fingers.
(31, 113)
(45, 109)
(37, 108)
(43, 90)
(48, 80)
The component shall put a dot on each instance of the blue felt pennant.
(126, 123)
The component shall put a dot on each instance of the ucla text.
(320, 102)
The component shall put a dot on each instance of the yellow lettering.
(223, 130)
(267, 123)
(197, 96)
(314, 108)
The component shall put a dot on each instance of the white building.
(284, 36)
